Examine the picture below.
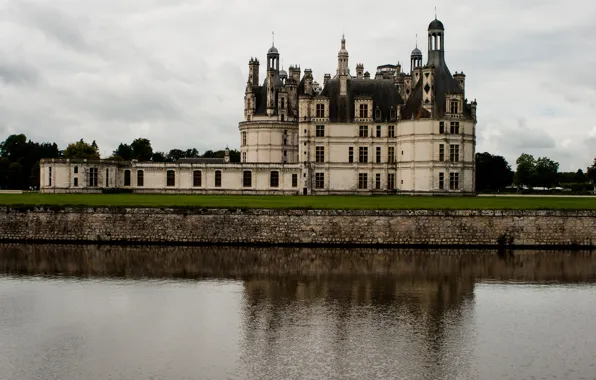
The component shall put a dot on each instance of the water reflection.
(294, 313)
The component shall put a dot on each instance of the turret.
(294, 73)
(326, 79)
(360, 71)
(461, 79)
(253, 72)
(436, 43)
(227, 155)
(367, 75)
(342, 58)
(308, 82)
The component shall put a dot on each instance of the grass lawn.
(298, 202)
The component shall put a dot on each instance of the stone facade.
(300, 227)
(399, 133)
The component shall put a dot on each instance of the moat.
(88, 312)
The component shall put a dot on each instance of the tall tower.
(436, 43)
(272, 76)
(253, 71)
(342, 68)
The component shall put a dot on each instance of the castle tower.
(415, 64)
(272, 76)
(253, 71)
(342, 68)
(461, 79)
(436, 43)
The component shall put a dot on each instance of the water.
(237, 313)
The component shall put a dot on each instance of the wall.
(223, 226)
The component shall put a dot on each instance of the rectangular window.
(363, 155)
(76, 170)
(243, 138)
(391, 131)
(107, 177)
(243, 156)
(127, 178)
(453, 181)
(351, 154)
(319, 180)
(320, 154)
(140, 178)
(294, 180)
(454, 128)
(441, 181)
(320, 110)
(454, 106)
(391, 155)
(283, 117)
(218, 178)
(363, 131)
(378, 131)
(76, 182)
(363, 111)
(274, 179)
(93, 174)
(391, 181)
(171, 178)
(442, 127)
(378, 155)
(283, 103)
(197, 178)
(441, 152)
(247, 178)
(50, 176)
(378, 181)
(454, 153)
(320, 131)
(362, 181)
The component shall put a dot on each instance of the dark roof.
(341, 108)
(436, 24)
(416, 52)
(200, 160)
(261, 97)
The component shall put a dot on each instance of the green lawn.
(299, 202)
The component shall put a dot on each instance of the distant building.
(408, 133)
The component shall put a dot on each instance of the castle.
(400, 133)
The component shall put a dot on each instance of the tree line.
(19, 164)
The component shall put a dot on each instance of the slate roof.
(200, 160)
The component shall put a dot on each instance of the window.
(363, 111)
(76, 182)
(391, 181)
(243, 138)
(218, 178)
(247, 178)
(453, 181)
(243, 156)
(378, 155)
(442, 127)
(170, 178)
(320, 110)
(107, 177)
(391, 131)
(392, 114)
(378, 181)
(363, 155)
(320, 154)
(274, 179)
(351, 154)
(391, 155)
(378, 131)
(441, 152)
(441, 181)
(454, 127)
(362, 181)
(454, 106)
(454, 153)
(140, 178)
(363, 131)
(93, 174)
(127, 178)
(49, 176)
(283, 117)
(76, 169)
(320, 131)
(285, 141)
(283, 102)
(197, 178)
(377, 114)
(294, 180)
(319, 180)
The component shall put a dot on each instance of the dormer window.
(363, 111)
(454, 106)
(378, 114)
(392, 113)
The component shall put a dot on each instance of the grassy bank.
(299, 202)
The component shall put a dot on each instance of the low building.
(411, 133)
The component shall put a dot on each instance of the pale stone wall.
(292, 227)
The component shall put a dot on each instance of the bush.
(116, 191)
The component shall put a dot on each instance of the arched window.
(378, 114)
(140, 178)
(170, 178)
(127, 178)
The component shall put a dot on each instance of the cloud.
(175, 71)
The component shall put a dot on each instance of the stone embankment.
(300, 227)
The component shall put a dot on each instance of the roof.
(416, 52)
(200, 160)
(436, 24)
(384, 95)
(272, 50)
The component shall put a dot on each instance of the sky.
(174, 71)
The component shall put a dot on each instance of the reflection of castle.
(397, 132)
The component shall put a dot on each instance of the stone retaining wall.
(299, 227)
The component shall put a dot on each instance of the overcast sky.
(174, 71)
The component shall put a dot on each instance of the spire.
(273, 37)
(343, 41)
(435, 12)
(416, 40)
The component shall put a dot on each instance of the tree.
(15, 176)
(141, 149)
(592, 172)
(192, 153)
(492, 172)
(580, 177)
(81, 149)
(14, 148)
(546, 172)
(524, 174)
(122, 153)
(158, 157)
(175, 155)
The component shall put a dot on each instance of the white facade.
(398, 133)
